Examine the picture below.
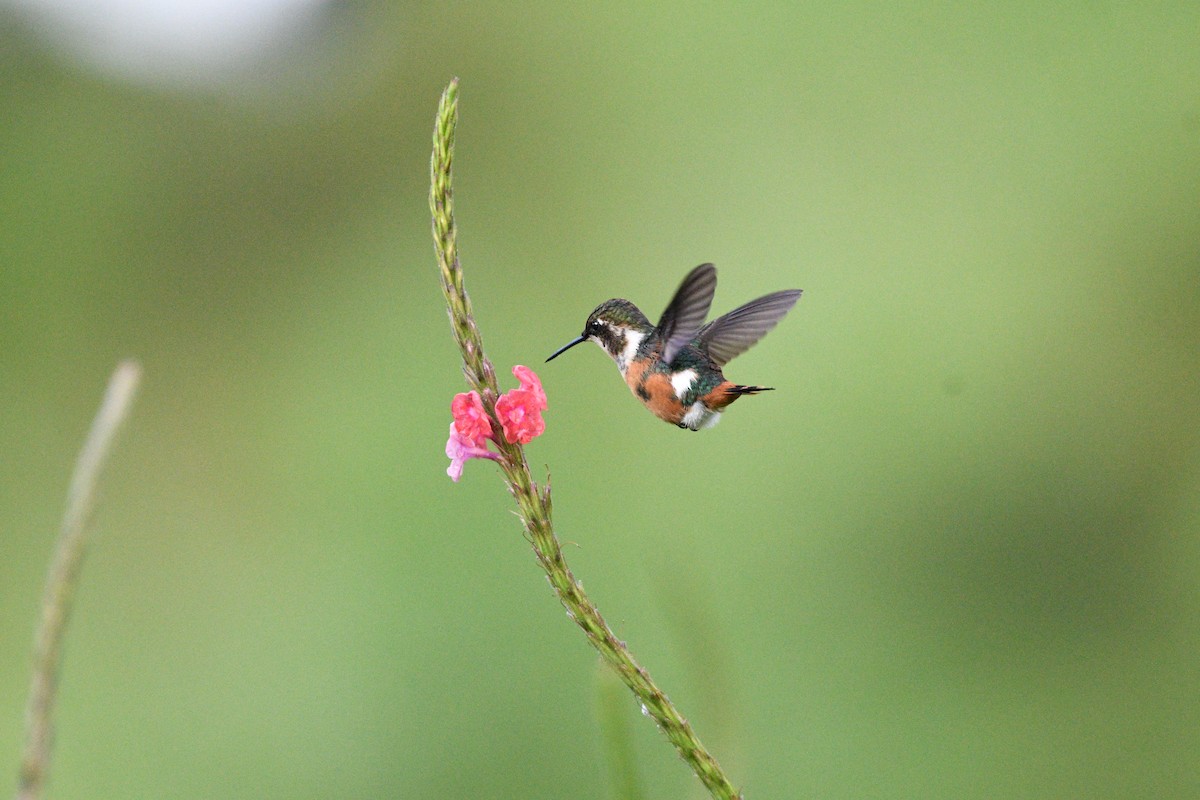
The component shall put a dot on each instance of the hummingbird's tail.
(727, 392)
(738, 389)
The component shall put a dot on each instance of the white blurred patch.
(682, 381)
(172, 41)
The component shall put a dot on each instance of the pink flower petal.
(460, 450)
(531, 383)
(520, 414)
(470, 420)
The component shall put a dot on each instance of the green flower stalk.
(533, 500)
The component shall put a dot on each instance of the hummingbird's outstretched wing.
(687, 310)
(736, 332)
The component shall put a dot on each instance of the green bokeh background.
(956, 554)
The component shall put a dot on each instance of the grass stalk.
(63, 579)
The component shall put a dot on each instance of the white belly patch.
(699, 417)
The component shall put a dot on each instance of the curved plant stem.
(614, 715)
(534, 501)
(63, 577)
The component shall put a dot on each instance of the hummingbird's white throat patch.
(632, 341)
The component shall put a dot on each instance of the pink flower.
(520, 410)
(530, 382)
(460, 450)
(470, 420)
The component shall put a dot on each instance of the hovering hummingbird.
(674, 367)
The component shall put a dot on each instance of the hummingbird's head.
(616, 325)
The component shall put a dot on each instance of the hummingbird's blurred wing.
(737, 331)
(687, 310)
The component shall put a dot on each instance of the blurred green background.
(956, 554)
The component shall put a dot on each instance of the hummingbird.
(674, 367)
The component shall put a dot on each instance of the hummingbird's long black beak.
(566, 347)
